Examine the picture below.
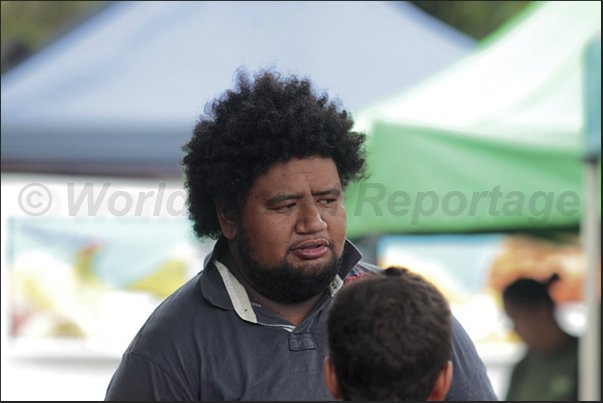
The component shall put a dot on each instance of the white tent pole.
(589, 386)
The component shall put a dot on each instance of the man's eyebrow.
(333, 191)
(281, 197)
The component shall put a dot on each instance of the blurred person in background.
(265, 172)
(549, 370)
(389, 338)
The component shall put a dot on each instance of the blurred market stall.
(120, 94)
(491, 153)
(507, 120)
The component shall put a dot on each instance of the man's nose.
(310, 219)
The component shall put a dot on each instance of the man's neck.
(294, 313)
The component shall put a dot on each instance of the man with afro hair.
(265, 172)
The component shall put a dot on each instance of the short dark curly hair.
(390, 336)
(248, 129)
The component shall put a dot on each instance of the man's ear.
(442, 384)
(331, 379)
(227, 223)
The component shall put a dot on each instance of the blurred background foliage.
(28, 26)
(477, 19)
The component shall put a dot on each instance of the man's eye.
(326, 202)
(285, 208)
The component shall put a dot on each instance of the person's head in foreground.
(389, 338)
(529, 305)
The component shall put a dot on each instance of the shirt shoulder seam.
(162, 370)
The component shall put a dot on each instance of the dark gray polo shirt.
(208, 341)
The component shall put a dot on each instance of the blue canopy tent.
(120, 94)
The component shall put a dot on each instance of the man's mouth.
(312, 249)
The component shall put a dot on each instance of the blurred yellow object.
(67, 329)
(164, 281)
(30, 288)
(512, 337)
(84, 265)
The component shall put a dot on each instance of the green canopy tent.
(492, 144)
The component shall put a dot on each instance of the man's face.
(292, 229)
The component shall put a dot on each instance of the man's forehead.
(317, 170)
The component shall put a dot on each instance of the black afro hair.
(247, 130)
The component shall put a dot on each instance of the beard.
(285, 283)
